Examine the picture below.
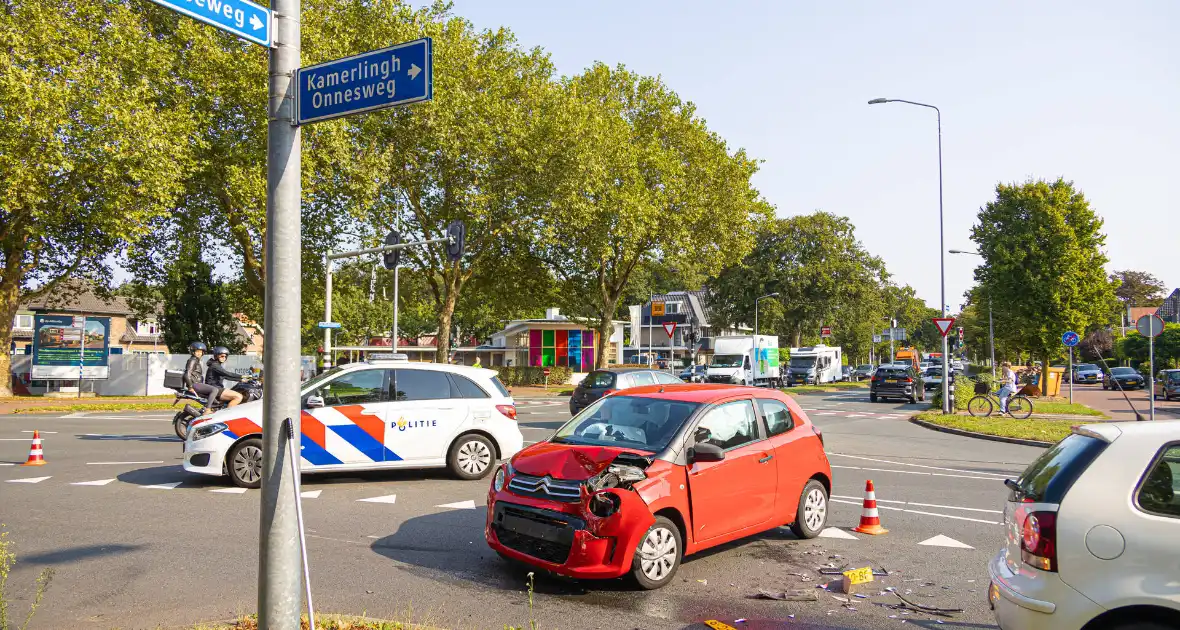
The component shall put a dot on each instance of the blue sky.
(1080, 89)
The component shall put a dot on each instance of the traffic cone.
(36, 455)
(870, 522)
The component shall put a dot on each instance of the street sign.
(1150, 325)
(944, 324)
(825, 332)
(328, 325)
(657, 309)
(1070, 339)
(243, 18)
(669, 327)
(545, 371)
(374, 80)
(876, 338)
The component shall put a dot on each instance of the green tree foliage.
(1138, 288)
(643, 180)
(1134, 347)
(92, 148)
(1043, 264)
(1099, 343)
(195, 305)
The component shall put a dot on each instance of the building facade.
(692, 334)
(554, 341)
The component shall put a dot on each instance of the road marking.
(14, 439)
(119, 463)
(933, 505)
(98, 482)
(916, 472)
(7, 464)
(460, 505)
(229, 490)
(29, 480)
(389, 498)
(311, 494)
(945, 541)
(885, 461)
(828, 413)
(42, 432)
(896, 509)
(163, 486)
(836, 532)
(858, 415)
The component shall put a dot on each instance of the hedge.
(523, 376)
(964, 392)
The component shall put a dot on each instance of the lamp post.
(767, 296)
(991, 331)
(946, 402)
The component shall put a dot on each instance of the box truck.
(814, 365)
(745, 360)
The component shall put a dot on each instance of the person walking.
(1008, 385)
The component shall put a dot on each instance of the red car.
(641, 478)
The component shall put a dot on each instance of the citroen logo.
(543, 484)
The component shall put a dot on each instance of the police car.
(383, 413)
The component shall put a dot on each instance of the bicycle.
(982, 405)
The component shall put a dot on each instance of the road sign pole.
(1070, 377)
(327, 313)
(81, 354)
(1151, 374)
(393, 338)
(279, 557)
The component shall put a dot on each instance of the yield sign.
(944, 324)
(669, 327)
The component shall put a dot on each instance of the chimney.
(552, 313)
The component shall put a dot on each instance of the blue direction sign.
(374, 80)
(243, 18)
(1070, 339)
(328, 325)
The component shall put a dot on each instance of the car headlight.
(499, 480)
(207, 430)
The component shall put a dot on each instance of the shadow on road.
(75, 554)
(104, 437)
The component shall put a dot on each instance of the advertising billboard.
(60, 341)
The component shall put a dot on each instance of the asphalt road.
(1117, 406)
(138, 543)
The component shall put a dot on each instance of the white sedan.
(384, 413)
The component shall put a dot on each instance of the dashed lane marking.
(931, 505)
(915, 472)
(886, 461)
(896, 509)
(945, 541)
(97, 482)
(120, 463)
(29, 480)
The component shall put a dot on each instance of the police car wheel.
(472, 456)
(245, 463)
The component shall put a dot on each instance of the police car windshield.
(646, 424)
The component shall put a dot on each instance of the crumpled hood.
(565, 461)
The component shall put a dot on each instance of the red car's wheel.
(658, 555)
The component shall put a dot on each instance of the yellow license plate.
(890, 380)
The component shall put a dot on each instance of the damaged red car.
(637, 481)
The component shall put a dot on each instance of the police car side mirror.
(314, 402)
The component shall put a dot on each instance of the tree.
(1043, 264)
(197, 307)
(645, 182)
(91, 147)
(1138, 288)
(1097, 344)
(1167, 347)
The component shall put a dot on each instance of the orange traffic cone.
(36, 455)
(870, 522)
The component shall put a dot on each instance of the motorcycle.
(249, 387)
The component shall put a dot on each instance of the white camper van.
(814, 365)
(745, 360)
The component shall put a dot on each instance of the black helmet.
(197, 345)
(218, 350)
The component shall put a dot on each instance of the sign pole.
(82, 354)
(1151, 374)
(327, 313)
(1070, 376)
(393, 340)
(279, 556)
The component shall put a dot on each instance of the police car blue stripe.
(364, 442)
(316, 454)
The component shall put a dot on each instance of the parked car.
(1086, 373)
(1092, 530)
(1167, 384)
(864, 371)
(1123, 378)
(932, 378)
(897, 381)
(599, 383)
(640, 479)
(694, 373)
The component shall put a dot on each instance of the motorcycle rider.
(216, 375)
(194, 373)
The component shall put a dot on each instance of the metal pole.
(1070, 377)
(991, 336)
(299, 517)
(393, 341)
(651, 320)
(327, 313)
(81, 354)
(1151, 369)
(279, 558)
(756, 303)
(947, 404)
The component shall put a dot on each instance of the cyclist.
(1008, 387)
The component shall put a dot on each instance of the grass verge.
(1044, 430)
(1065, 408)
(94, 407)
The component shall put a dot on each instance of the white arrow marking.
(162, 486)
(836, 532)
(389, 498)
(29, 480)
(461, 505)
(98, 482)
(945, 541)
(311, 494)
(414, 70)
(229, 490)
(255, 22)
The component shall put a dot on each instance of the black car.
(1123, 378)
(897, 381)
(602, 382)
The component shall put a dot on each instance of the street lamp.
(767, 296)
(946, 402)
(991, 331)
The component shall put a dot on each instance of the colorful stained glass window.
(562, 348)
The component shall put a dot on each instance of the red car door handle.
(766, 459)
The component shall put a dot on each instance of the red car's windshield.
(646, 424)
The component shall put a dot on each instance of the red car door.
(796, 455)
(737, 492)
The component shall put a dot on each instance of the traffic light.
(457, 233)
(391, 259)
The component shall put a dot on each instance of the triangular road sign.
(944, 324)
(669, 327)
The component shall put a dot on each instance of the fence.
(138, 374)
